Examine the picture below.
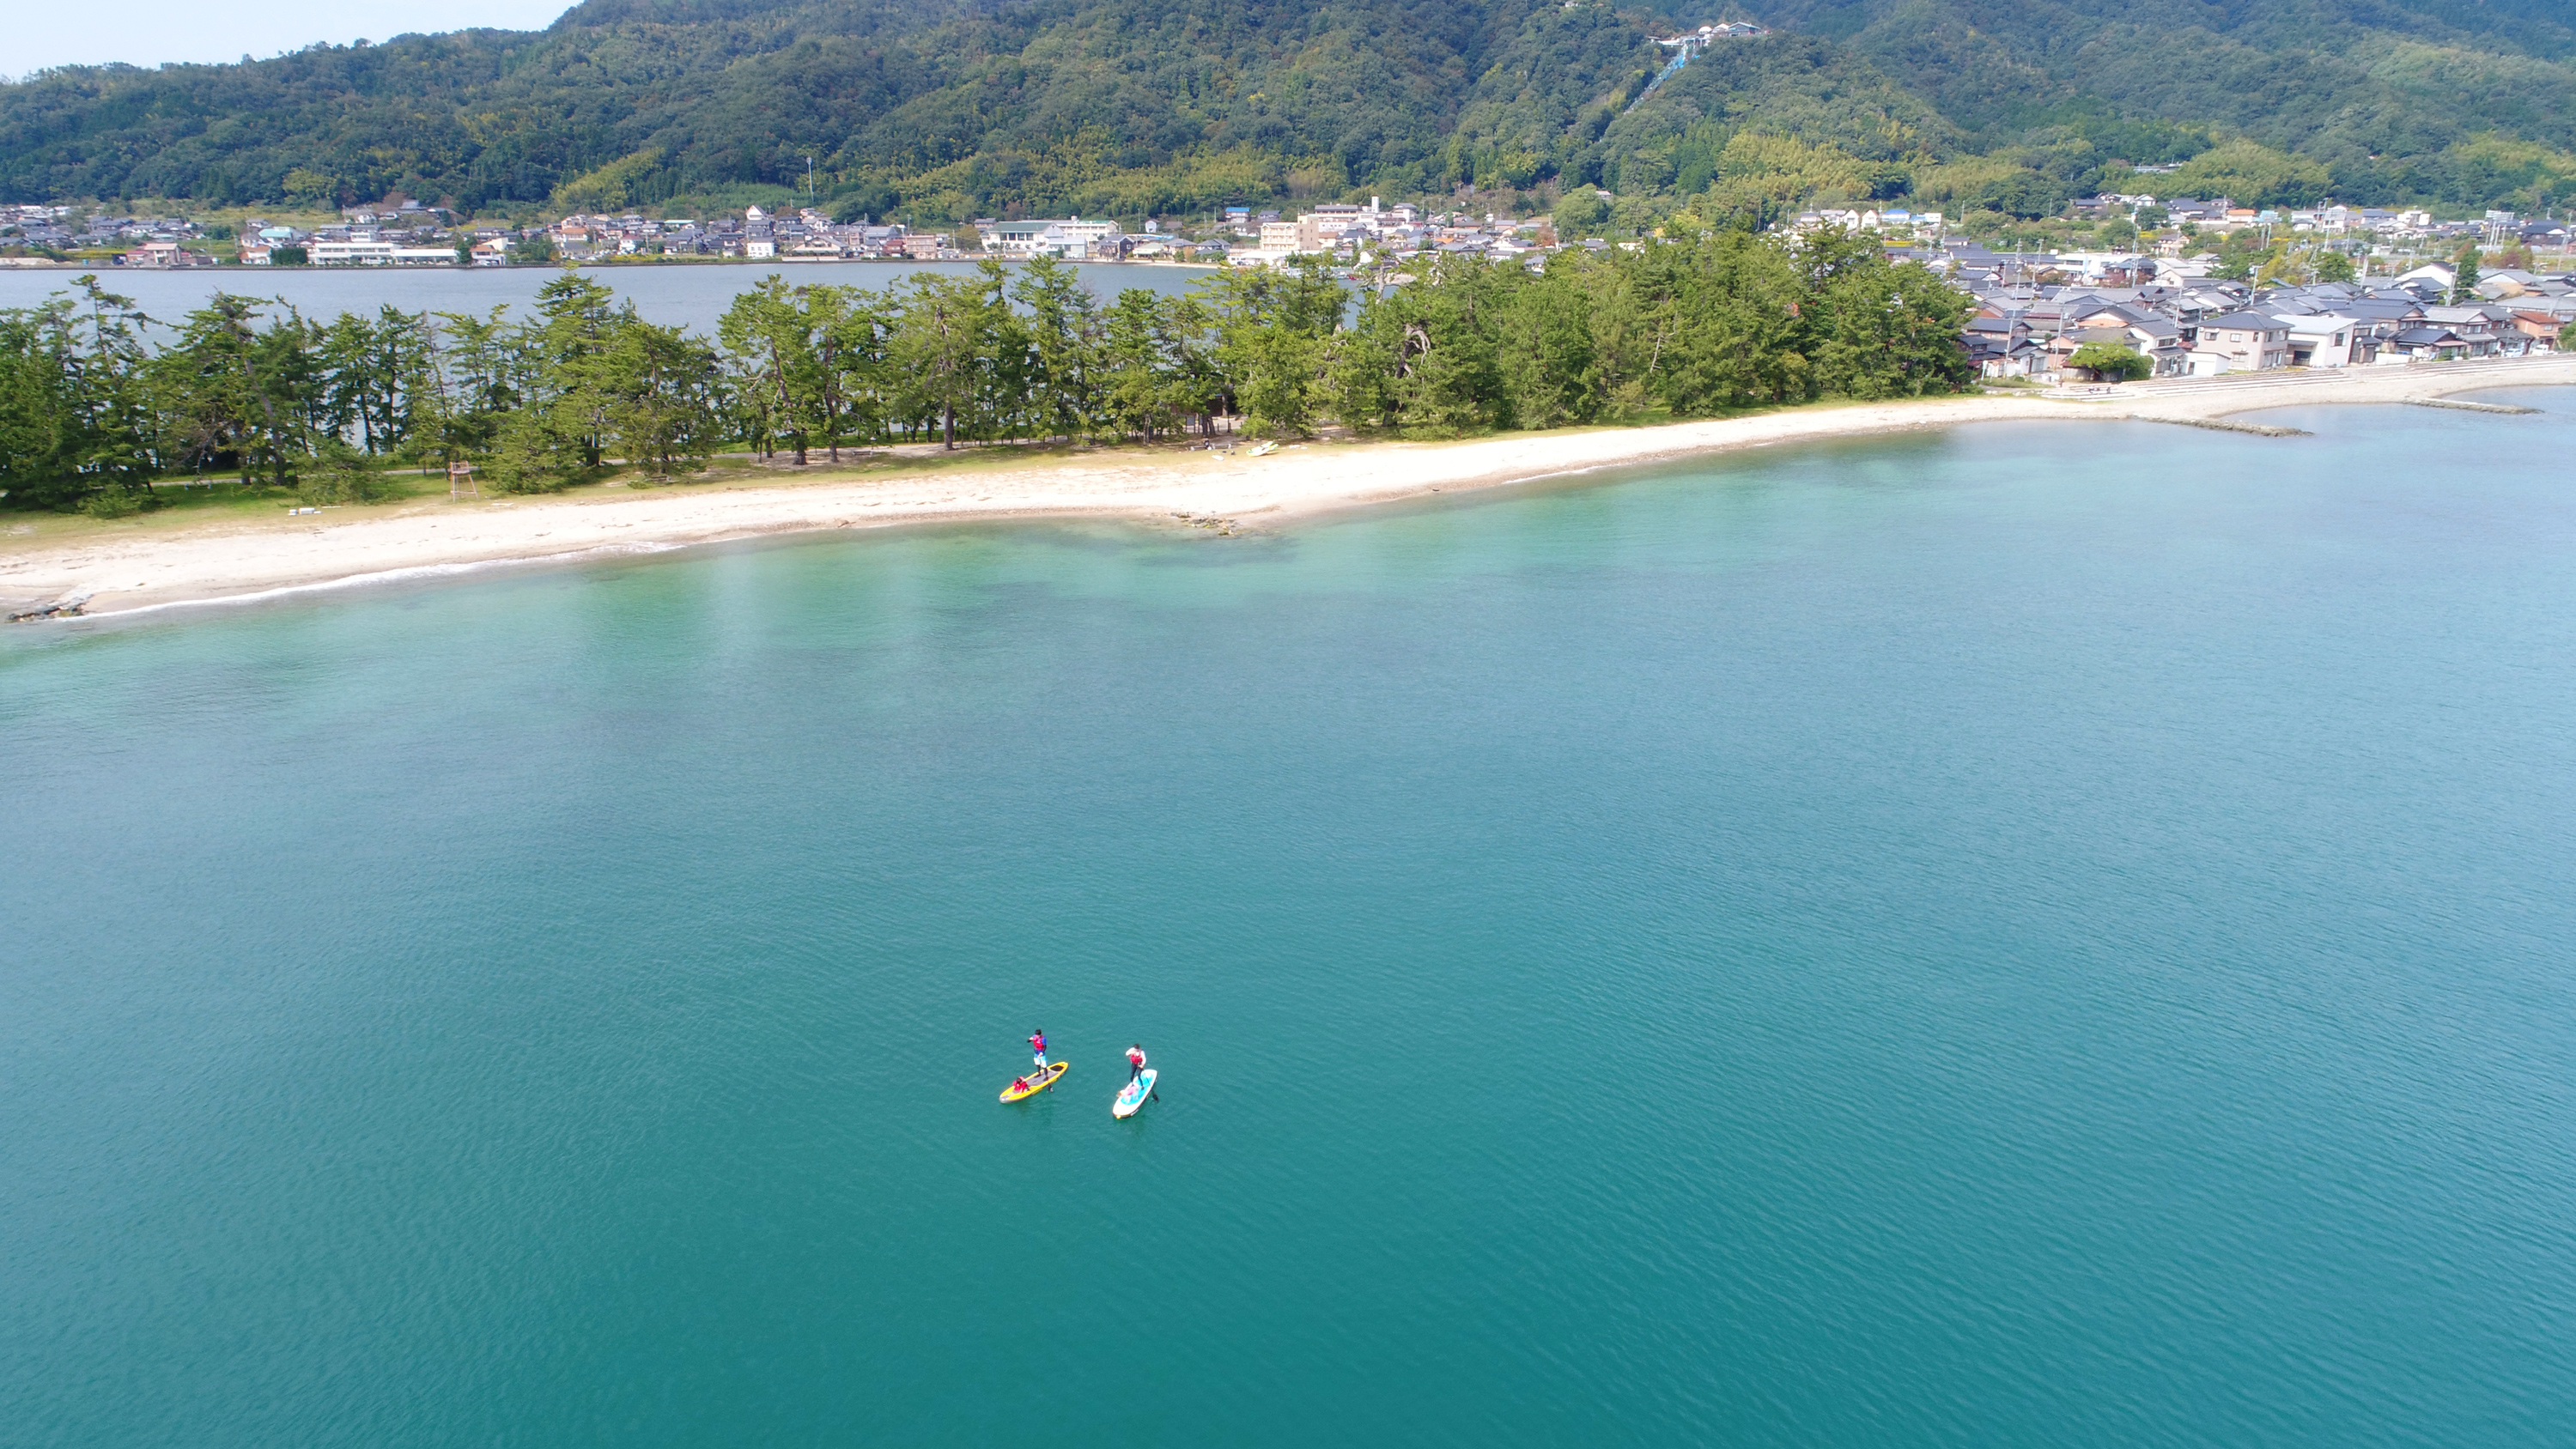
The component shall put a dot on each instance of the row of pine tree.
(99, 404)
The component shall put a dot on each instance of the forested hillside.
(2390, 96)
(947, 108)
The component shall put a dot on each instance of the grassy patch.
(185, 503)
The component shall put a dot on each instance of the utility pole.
(809, 180)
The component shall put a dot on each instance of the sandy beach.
(157, 561)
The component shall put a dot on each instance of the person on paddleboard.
(1037, 1044)
(1135, 1060)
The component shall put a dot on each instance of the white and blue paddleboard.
(1134, 1096)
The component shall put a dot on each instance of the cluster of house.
(402, 232)
(1344, 231)
(1256, 238)
(148, 241)
(49, 222)
(1887, 221)
(354, 245)
(2354, 230)
(2221, 214)
(377, 239)
(2032, 312)
(2032, 325)
(2400, 225)
(1073, 238)
(397, 229)
(2351, 228)
(755, 235)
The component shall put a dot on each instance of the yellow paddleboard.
(1036, 1083)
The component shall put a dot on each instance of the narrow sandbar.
(112, 567)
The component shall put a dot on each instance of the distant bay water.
(691, 295)
(2031, 935)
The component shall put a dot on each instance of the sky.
(151, 32)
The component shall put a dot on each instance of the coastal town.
(2343, 286)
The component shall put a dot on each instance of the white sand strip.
(164, 559)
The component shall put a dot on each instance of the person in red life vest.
(1037, 1044)
(1135, 1060)
(1020, 1085)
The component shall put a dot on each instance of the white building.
(1068, 237)
(2328, 340)
(354, 254)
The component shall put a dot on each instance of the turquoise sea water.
(2027, 936)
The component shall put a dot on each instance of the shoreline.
(124, 568)
(613, 263)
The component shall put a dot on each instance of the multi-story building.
(2240, 342)
(1066, 237)
(2328, 339)
(352, 253)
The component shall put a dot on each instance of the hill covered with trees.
(950, 108)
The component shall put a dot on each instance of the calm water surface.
(2024, 937)
(692, 295)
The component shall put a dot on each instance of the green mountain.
(2392, 96)
(946, 108)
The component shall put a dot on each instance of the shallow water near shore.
(2018, 936)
